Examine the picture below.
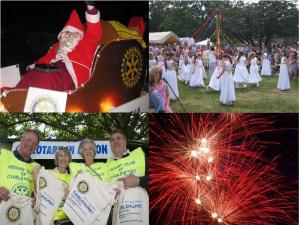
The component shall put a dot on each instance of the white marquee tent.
(168, 37)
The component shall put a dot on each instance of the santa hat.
(73, 25)
(137, 23)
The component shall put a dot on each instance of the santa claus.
(68, 63)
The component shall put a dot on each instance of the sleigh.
(117, 77)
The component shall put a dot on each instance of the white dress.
(227, 85)
(186, 52)
(214, 82)
(205, 58)
(197, 76)
(181, 68)
(188, 69)
(283, 79)
(204, 72)
(152, 62)
(241, 74)
(254, 75)
(172, 79)
(266, 67)
(212, 61)
(161, 63)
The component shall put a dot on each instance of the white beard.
(66, 45)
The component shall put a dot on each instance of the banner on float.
(47, 149)
(43, 100)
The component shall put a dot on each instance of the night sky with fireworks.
(237, 169)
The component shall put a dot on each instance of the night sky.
(30, 28)
(286, 133)
(51, 16)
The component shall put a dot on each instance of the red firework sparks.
(210, 169)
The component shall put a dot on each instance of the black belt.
(46, 68)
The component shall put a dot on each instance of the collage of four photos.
(149, 112)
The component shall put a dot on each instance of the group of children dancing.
(225, 72)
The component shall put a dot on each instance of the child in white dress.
(205, 57)
(181, 67)
(161, 63)
(171, 76)
(283, 79)
(197, 72)
(266, 66)
(254, 75)
(188, 68)
(204, 72)
(152, 61)
(227, 95)
(212, 60)
(241, 74)
(214, 82)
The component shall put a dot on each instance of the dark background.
(286, 132)
(29, 29)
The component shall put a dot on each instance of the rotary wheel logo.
(131, 68)
(44, 104)
(82, 187)
(13, 213)
(42, 182)
(20, 189)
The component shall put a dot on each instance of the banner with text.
(47, 149)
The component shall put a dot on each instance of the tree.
(74, 125)
(257, 22)
(179, 16)
(277, 18)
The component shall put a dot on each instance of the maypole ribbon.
(238, 36)
(201, 28)
(206, 30)
(226, 37)
(235, 28)
(212, 35)
(218, 30)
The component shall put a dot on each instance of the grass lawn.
(265, 98)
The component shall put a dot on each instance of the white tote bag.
(132, 207)
(89, 201)
(16, 210)
(108, 194)
(50, 192)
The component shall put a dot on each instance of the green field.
(265, 98)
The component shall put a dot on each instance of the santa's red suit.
(74, 69)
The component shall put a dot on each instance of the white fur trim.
(92, 18)
(71, 29)
(53, 60)
(70, 68)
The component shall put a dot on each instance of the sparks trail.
(210, 169)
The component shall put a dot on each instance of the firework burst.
(210, 169)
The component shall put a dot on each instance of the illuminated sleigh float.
(117, 75)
